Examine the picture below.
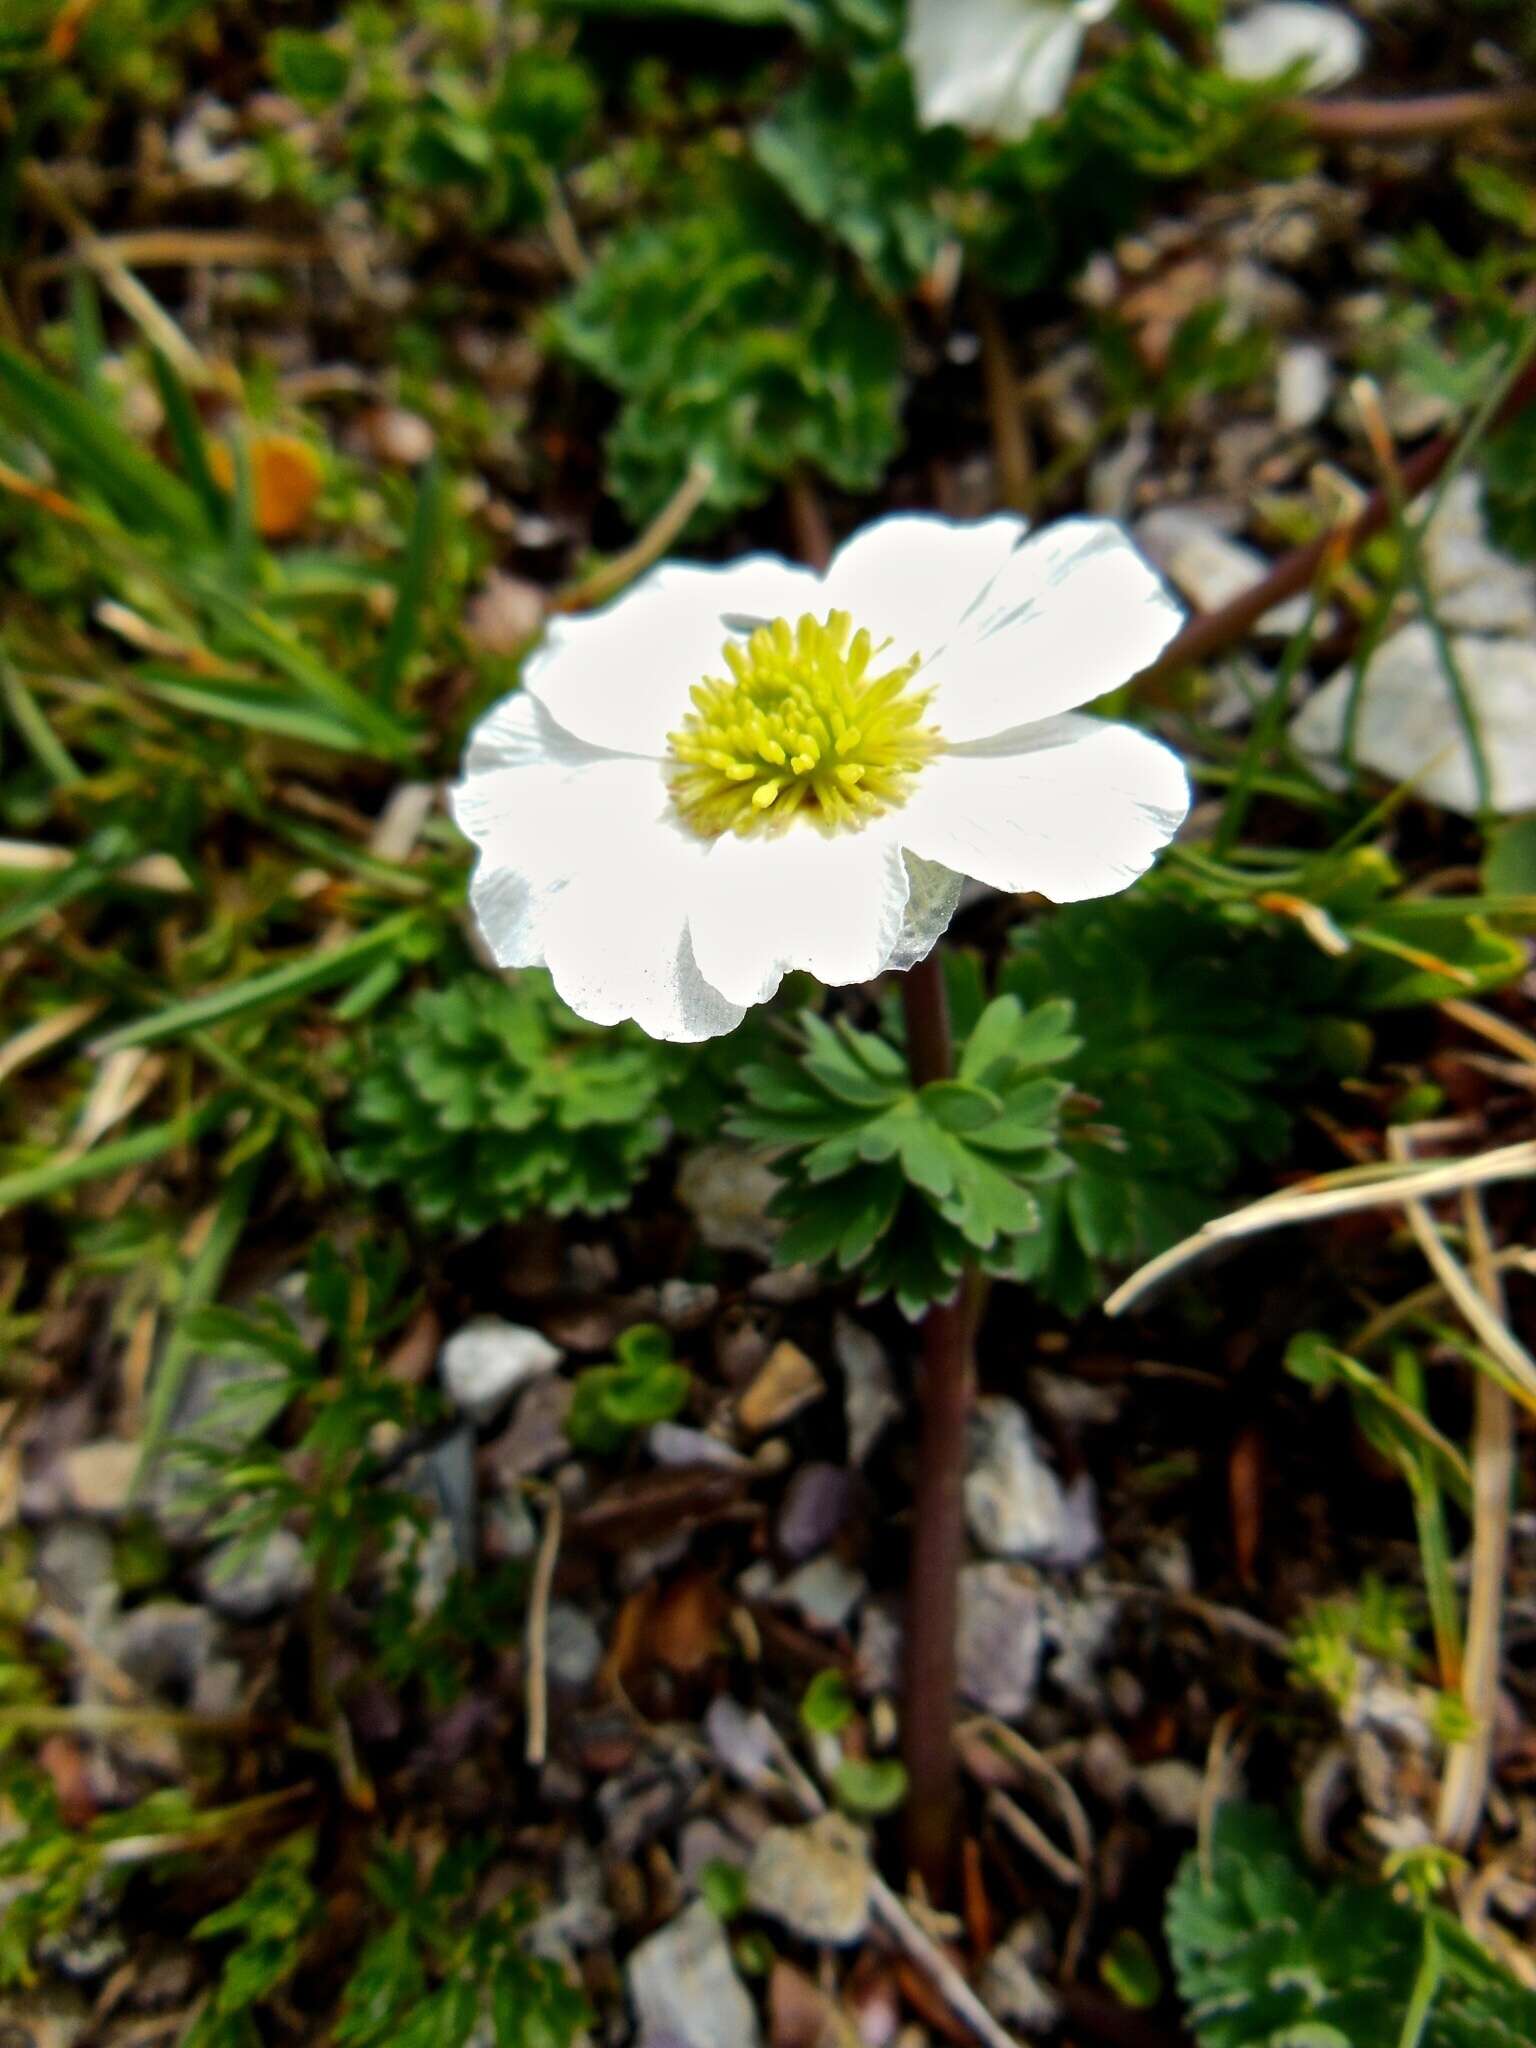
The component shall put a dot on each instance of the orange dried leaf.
(285, 481)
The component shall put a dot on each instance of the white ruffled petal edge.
(765, 904)
(1072, 808)
(1273, 36)
(1072, 612)
(583, 870)
(994, 67)
(912, 578)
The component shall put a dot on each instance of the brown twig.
(1213, 633)
(538, 1632)
(1005, 410)
(1444, 113)
(611, 577)
(808, 522)
(141, 306)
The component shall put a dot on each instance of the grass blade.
(186, 432)
(35, 1183)
(48, 749)
(261, 991)
(415, 573)
(252, 635)
(140, 491)
(242, 704)
(201, 1285)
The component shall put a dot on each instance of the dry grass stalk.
(1386, 1184)
(1464, 1788)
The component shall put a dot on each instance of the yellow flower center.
(809, 724)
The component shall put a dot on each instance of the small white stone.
(1174, 1790)
(1210, 567)
(573, 1646)
(1272, 37)
(1000, 1639)
(824, 1593)
(99, 1476)
(1408, 728)
(1014, 1503)
(1477, 588)
(74, 1563)
(246, 1588)
(1303, 384)
(814, 1879)
(483, 1365)
(1010, 1987)
(684, 1987)
(726, 1189)
(870, 1400)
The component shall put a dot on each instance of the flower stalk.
(938, 1539)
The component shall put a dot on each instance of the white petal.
(832, 905)
(617, 942)
(1280, 33)
(1073, 612)
(994, 67)
(933, 897)
(543, 807)
(1407, 728)
(911, 578)
(514, 737)
(1072, 808)
(620, 677)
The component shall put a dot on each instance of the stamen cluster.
(800, 729)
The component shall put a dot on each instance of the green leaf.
(189, 441)
(733, 341)
(1129, 1968)
(143, 494)
(1188, 1024)
(251, 706)
(308, 67)
(1509, 865)
(723, 1888)
(1267, 1958)
(959, 1105)
(153, 1141)
(411, 588)
(827, 1706)
(847, 149)
(1404, 947)
(904, 1187)
(295, 978)
(869, 1785)
(488, 1100)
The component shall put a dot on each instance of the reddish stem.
(1443, 113)
(938, 1539)
(808, 522)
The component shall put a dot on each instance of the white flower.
(995, 67)
(1272, 37)
(732, 772)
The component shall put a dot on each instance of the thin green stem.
(1426, 1986)
(1429, 1519)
